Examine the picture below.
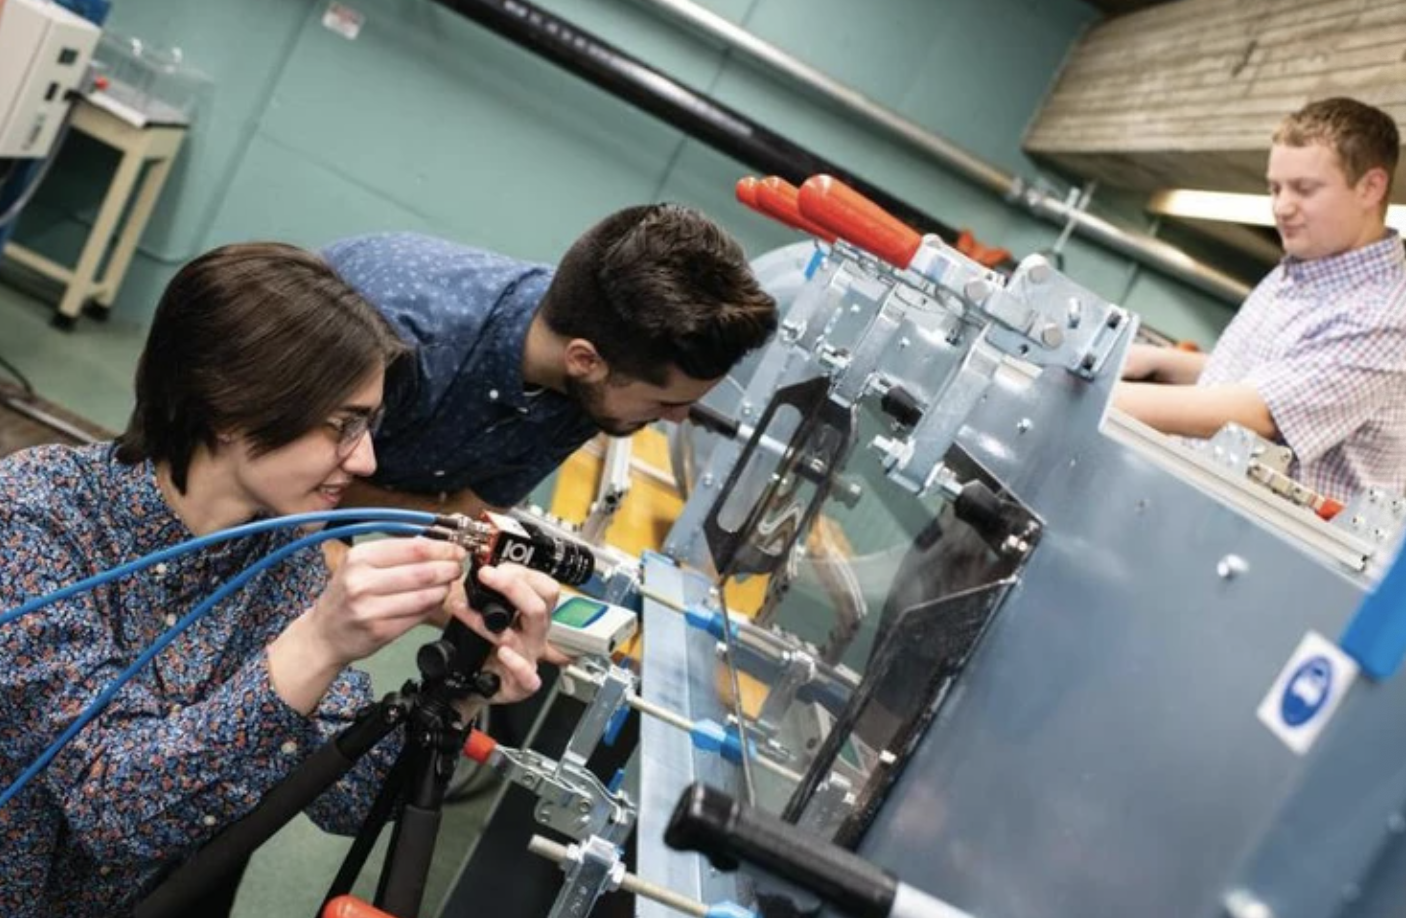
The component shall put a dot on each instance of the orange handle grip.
(746, 190)
(352, 907)
(1329, 508)
(856, 219)
(779, 199)
(479, 746)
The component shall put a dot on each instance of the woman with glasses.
(256, 393)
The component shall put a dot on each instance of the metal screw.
(583, 806)
(1051, 335)
(1075, 313)
(1241, 903)
(1230, 566)
(1015, 544)
(1039, 272)
(708, 480)
(977, 289)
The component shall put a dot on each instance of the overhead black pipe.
(722, 128)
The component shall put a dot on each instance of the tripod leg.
(235, 843)
(370, 830)
(402, 887)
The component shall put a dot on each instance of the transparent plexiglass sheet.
(828, 606)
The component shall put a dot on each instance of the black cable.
(14, 371)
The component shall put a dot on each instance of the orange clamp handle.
(779, 199)
(1328, 508)
(856, 219)
(479, 746)
(352, 907)
(746, 190)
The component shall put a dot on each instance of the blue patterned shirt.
(189, 745)
(1323, 342)
(460, 416)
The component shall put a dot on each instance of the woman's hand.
(380, 590)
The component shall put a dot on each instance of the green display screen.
(578, 612)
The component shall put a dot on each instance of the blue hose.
(175, 551)
(244, 576)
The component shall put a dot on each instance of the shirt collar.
(1382, 255)
(505, 340)
(138, 505)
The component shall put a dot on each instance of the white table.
(139, 145)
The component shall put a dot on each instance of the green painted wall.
(428, 122)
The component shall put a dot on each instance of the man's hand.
(1148, 363)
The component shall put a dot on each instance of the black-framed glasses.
(351, 428)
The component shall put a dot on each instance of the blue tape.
(709, 621)
(711, 736)
(617, 721)
(729, 909)
(1376, 636)
(817, 258)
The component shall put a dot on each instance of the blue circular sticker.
(1307, 691)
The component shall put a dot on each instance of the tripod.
(450, 671)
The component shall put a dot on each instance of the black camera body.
(494, 539)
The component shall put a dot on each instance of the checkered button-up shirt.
(1323, 342)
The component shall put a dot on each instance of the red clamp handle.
(352, 907)
(858, 220)
(776, 198)
(479, 746)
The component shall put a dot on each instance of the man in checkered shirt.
(1316, 356)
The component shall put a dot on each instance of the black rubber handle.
(710, 822)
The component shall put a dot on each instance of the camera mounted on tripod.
(493, 539)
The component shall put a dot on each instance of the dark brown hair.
(1364, 137)
(263, 339)
(658, 286)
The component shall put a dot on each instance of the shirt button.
(160, 569)
(105, 869)
(208, 820)
(288, 748)
(493, 394)
(171, 620)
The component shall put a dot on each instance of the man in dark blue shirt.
(517, 365)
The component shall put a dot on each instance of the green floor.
(88, 371)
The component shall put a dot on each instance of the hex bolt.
(1241, 903)
(1231, 566)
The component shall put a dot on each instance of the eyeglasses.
(352, 427)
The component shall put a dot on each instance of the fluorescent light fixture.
(1250, 209)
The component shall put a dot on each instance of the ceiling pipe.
(1145, 249)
